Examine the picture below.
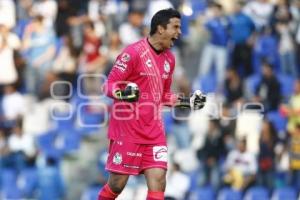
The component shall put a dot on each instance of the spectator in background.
(39, 45)
(8, 13)
(21, 147)
(174, 190)
(282, 164)
(259, 11)
(154, 6)
(286, 49)
(13, 103)
(240, 167)
(76, 17)
(268, 90)
(227, 126)
(47, 9)
(266, 157)
(91, 61)
(95, 14)
(45, 90)
(211, 153)
(8, 43)
(63, 19)
(233, 88)
(296, 21)
(131, 31)
(242, 30)
(294, 151)
(3, 146)
(23, 8)
(112, 50)
(292, 110)
(65, 63)
(266, 48)
(180, 128)
(298, 47)
(281, 22)
(280, 14)
(215, 51)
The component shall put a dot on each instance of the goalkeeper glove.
(129, 94)
(195, 102)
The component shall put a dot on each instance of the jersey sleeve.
(169, 98)
(120, 71)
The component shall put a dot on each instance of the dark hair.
(162, 18)
(216, 5)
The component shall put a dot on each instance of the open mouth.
(173, 39)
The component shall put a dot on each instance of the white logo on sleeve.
(160, 153)
(120, 65)
(125, 57)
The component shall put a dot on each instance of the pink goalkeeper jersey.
(141, 121)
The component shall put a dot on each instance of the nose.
(179, 31)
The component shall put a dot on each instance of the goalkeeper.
(139, 83)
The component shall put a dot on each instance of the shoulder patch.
(125, 57)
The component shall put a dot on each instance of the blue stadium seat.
(193, 175)
(51, 185)
(90, 121)
(10, 190)
(278, 121)
(168, 121)
(47, 143)
(20, 27)
(30, 177)
(229, 194)
(252, 83)
(71, 139)
(287, 85)
(284, 193)
(90, 193)
(207, 83)
(206, 193)
(257, 193)
(265, 48)
(64, 121)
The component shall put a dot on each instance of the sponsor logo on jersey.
(160, 153)
(117, 159)
(165, 76)
(125, 57)
(147, 74)
(148, 63)
(167, 66)
(121, 65)
(131, 166)
(133, 154)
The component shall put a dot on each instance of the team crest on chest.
(148, 63)
(167, 67)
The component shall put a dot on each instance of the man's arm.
(195, 102)
(116, 81)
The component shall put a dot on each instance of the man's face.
(171, 33)
(241, 146)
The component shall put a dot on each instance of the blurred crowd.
(244, 54)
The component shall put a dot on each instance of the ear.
(160, 29)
